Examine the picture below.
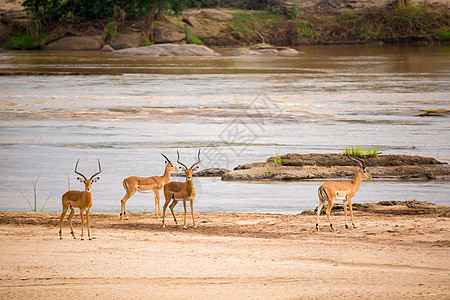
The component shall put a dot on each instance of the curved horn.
(358, 160)
(198, 159)
(361, 161)
(168, 160)
(178, 161)
(79, 172)
(99, 168)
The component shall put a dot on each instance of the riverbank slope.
(312, 22)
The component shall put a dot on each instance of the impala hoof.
(184, 227)
(331, 225)
(317, 227)
(346, 226)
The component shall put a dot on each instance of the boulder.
(163, 34)
(126, 40)
(213, 14)
(169, 50)
(264, 49)
(77, 43)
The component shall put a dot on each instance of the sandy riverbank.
(396, 252)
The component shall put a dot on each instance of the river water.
(126, 110)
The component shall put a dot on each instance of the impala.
(181, 191)
(342, 190)
(79, 199)
(154, 184)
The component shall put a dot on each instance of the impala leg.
(185, 213)
(330, 205)
(157, 205)
(61, 218)
(351, 211)
(345, 213)
(167, 198)
(82, 224)
(88, 219)
(164, 213)
(319, 210)
(72, 212)
(123, 209)
(192, 212)
(175, 202)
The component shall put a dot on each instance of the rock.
(212, 172)
(169, 50)
(78, 43)
(107, 48)
(265, 49)
(191, 20)
(214, 14)
(209, 26)
(163, 34)
(126, 40)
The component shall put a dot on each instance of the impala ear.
(95, 179)
(80, 179)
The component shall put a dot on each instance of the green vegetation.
(191, 38)
(245, 23)
(49, 12)
(304, 29)
(292, 12)
(23, 40)
(371, 32)
(277, 159)
(443, 34)
(34, 206)
(109, 31)
(362, 152)
(278, 26)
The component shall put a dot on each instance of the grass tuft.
(362, 152)
(191, 37)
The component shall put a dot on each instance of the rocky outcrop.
(169, 50)
(210, 26)
(163, 34)
(126, 40)
(310, 166)
(77, 43)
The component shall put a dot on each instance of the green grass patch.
(22, 40)
(371, 32)
(443, 34)
(191, 37)
(304, 29)
(247, 22)
(362, 152)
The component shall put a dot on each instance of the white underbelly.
(341, 195)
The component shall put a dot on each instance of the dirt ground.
(396, 252)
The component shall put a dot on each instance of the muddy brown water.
(56, 107)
